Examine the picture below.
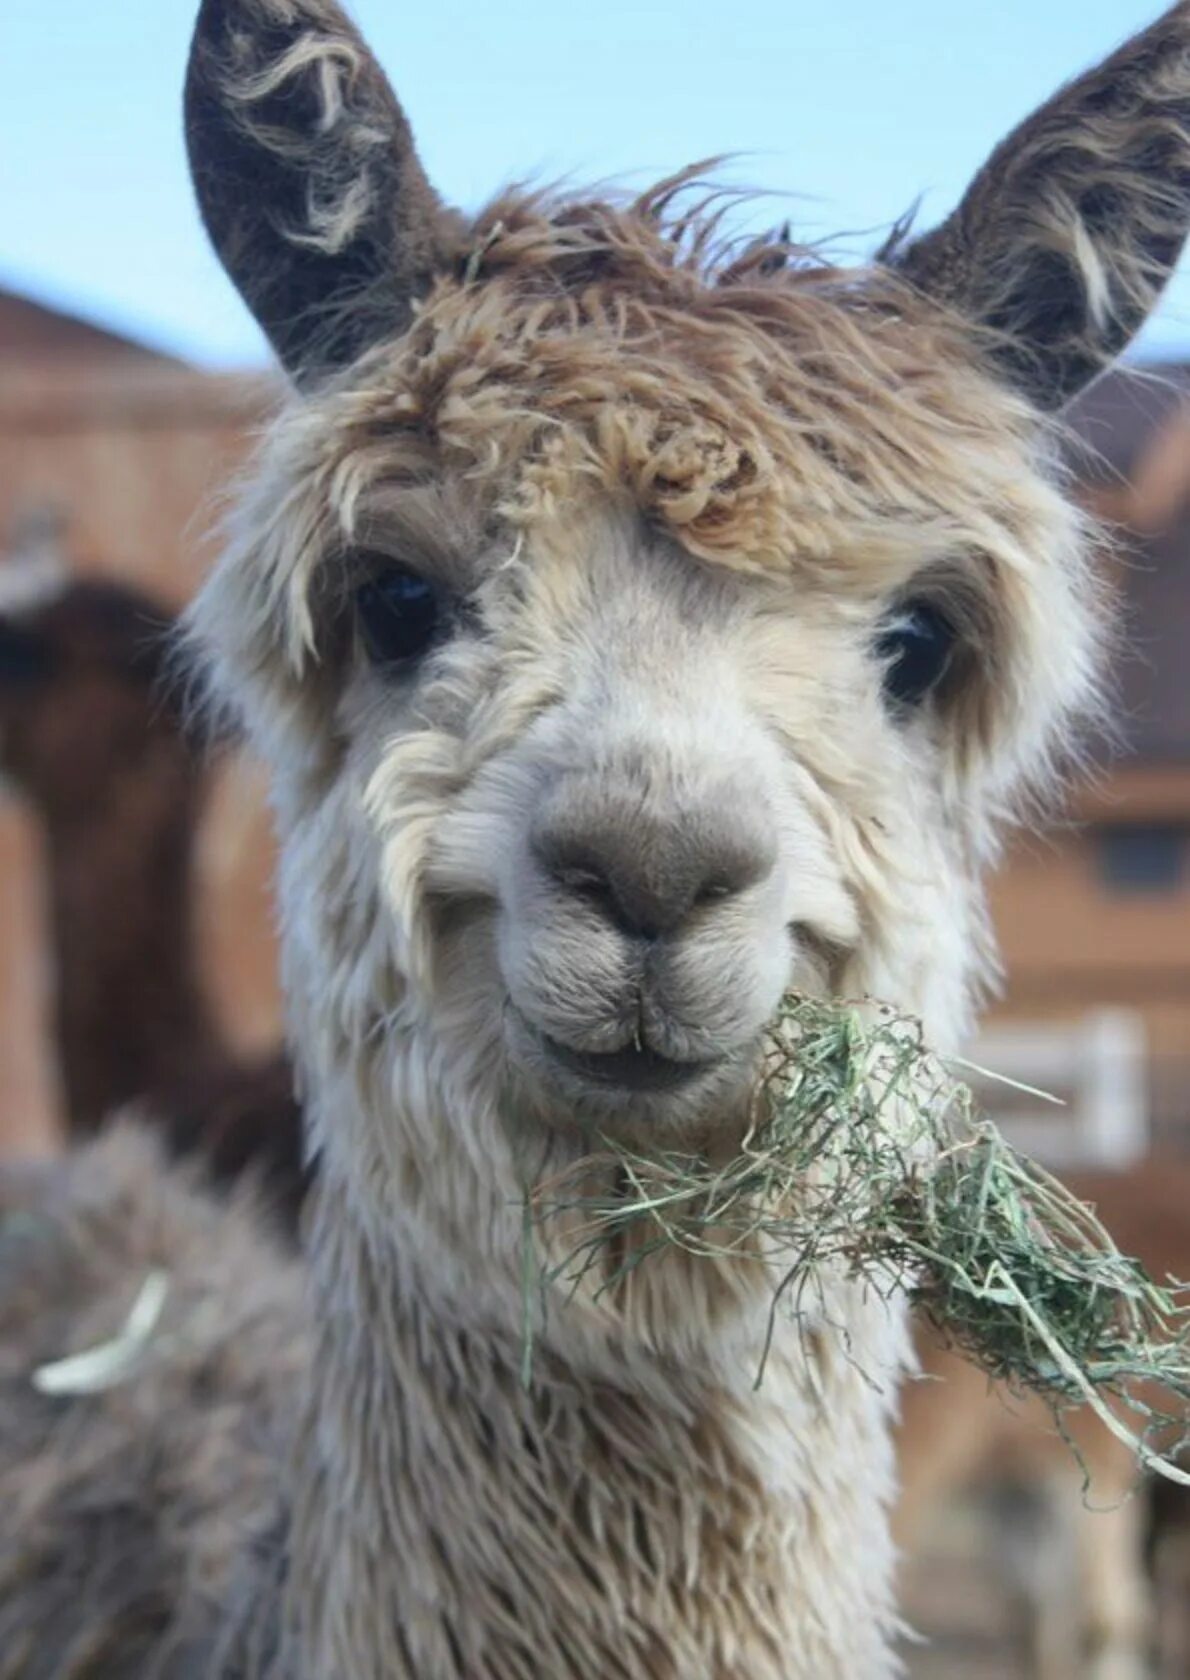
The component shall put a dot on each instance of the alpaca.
(957, 1429)
(117, 785)
(634, 627)
(90, 736)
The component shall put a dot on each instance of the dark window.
(1142, 857)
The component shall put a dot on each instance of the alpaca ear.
(1067, 236)
(307, 178)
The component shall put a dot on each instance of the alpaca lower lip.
(628, 1069)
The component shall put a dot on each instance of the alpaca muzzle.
(643, 943)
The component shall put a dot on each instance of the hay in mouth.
(865, 1155)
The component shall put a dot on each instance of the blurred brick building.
(1094, 917)
(132, 448)
(131, 445)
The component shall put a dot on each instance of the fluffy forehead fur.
(769, 412)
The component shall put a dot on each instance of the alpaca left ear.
(1067, 236)
(308, 180)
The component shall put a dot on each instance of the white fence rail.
(1097, 1066)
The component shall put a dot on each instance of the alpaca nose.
(648, 872)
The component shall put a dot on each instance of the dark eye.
(915, 646)
(400, 615)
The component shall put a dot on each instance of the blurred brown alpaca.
(91, 736)
(958, 1430)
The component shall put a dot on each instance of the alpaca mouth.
(634, 1068)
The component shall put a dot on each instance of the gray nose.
(648, 865)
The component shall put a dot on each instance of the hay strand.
(116, 1360)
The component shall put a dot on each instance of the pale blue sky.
(853, 106)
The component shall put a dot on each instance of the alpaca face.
(635, 629)
(592, 759)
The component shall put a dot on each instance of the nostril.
(583, 881)
(571, 863)
(573, 866)
(739, 865)
(614, 900)
(580, 877)
(711, 892)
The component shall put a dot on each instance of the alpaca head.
(637, 628)
(80, 694)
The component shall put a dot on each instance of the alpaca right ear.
(307, 178)
(1067, 236)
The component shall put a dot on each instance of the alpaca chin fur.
(673, 492)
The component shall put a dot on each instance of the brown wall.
(135, 454)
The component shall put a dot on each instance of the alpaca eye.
(400, 615)
(915, 648)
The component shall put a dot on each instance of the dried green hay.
(864, 1154)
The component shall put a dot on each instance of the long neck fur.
(623, 1514)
